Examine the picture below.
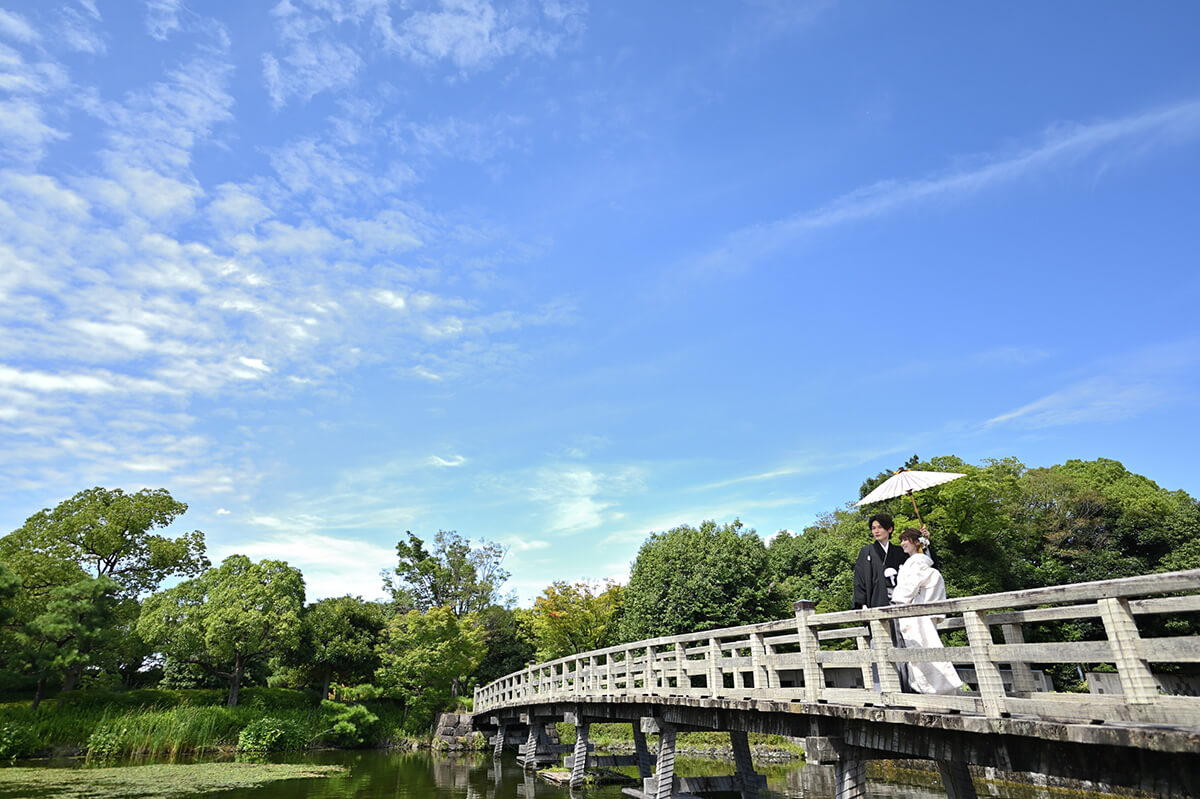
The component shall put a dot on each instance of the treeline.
(81, 603)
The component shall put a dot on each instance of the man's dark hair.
(884, 519)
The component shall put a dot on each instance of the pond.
(394, 775)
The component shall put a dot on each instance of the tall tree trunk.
(454, 687)
(37, 696)
(325, 685)
(235, 681)
(72, 677)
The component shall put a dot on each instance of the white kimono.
(919, 582)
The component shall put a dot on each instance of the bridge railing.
(812, 657)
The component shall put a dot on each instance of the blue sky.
(560, 275)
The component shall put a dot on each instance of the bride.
(919, 582)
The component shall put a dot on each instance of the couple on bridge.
(887, 574)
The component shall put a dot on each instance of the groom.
(875, 576)
(877, 564)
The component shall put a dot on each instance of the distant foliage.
(568, 618)
(349, 725)
(270, 735)
(690, 579)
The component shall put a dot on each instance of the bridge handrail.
(784, 659)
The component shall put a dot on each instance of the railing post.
(881, 645)
(681, 678)
(864, 647)
(1021, 672)
(991, 686)
(809, 647)
(758, 662)
(716, 682)
(648, 684)
(1137, 683)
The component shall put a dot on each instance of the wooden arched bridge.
(813, 676)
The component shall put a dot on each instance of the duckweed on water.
(159, 781)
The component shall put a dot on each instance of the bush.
(349, 725)
(270, 735)
(357, 693)
(16, 740)
(106, 743)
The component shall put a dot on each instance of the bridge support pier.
(956, 777)
(748, 780)
(498, 741)
(644, 763)
(579, 761)
(664, 768)
(538, 749)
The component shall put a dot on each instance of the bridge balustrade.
(798, 659)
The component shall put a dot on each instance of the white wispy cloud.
(1101, 399)
(453, 460)
(15, 26)
(312, 61)
(1061, 145)
(77, 30)
(162, 17)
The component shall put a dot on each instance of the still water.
(422, 775)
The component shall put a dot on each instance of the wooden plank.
(842, 632)
(1173, 710)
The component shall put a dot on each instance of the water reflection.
(420, 775)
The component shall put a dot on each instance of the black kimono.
(875, 575)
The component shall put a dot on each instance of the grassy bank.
(168, 723)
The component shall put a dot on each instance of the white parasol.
(906, 481)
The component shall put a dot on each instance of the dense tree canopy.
(690, 579)
(107, 533)
(569, 618)
(508, 646)
(422, 654)
(338, 641)
(228, 617)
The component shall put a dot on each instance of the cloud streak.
(1061, 145)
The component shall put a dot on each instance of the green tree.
(109, 533)
(690, 579)
(507, 643)
(339, 641)
(74, 619)
(228, 618)
(10, 586)
(456, 575)
(103, 533)
(421, 655)
(567, 618)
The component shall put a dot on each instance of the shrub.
(106, 743)
(16, 740)
(349, 725)
(357, 693)
(270, 735)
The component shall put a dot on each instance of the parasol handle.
(914, 504)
